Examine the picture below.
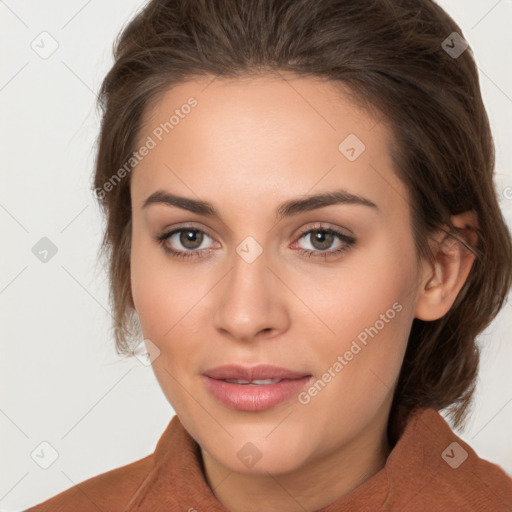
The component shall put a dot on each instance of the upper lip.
(261, 371)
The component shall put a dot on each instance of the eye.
(189, 242)
(322, 240)
(189, 238)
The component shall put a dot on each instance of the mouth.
(255, 382)
(254, 388)
(261, 372)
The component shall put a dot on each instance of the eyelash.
(308, 253)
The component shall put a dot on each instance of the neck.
(314, 485)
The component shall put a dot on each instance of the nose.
(251, 301)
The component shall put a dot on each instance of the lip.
(254, 397)
(260, 371)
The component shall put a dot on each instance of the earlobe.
(444, 277)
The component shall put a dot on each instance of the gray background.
(61, 382)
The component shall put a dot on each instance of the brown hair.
(389, 54)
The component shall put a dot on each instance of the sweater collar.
(177, 480)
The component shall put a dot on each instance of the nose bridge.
(249, 300)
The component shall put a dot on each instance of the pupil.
(325, 239)
(191, 239)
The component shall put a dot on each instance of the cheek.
(370, 309)
(162, 299)
(165, 297)
(152, 295)
(362, 293)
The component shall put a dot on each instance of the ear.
(442, 280)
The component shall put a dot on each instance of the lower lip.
(252, 397)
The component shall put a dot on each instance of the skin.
(248, 146)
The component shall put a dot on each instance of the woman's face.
(255, 282)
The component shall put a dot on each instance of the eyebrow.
(287, 209)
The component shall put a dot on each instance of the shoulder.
(110, 491)
(476, 485)
(445, 472)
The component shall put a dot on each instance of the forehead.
(268, 134)
(263, 101)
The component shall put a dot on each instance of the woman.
(302, 226)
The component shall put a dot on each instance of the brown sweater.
(429, 469)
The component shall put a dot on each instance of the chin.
(276, 464)
(259, 458)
